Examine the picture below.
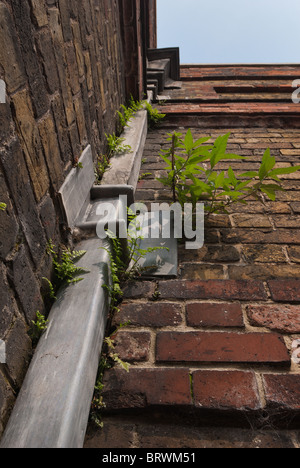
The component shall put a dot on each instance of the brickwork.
(62, 64)
(218, 342)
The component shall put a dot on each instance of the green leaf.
(232, 178)
(250, 174)
(219, 149)
(284, 170)
(233, 156)
(220, 180)
(268, 162)
(201, 141)
(189, 141)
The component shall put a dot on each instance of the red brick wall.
(218, 346)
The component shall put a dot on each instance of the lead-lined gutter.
(53, 405)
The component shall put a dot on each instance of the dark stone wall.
(62, 62)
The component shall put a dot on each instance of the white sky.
(231, 31)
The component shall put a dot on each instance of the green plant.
(115, 145)
(144, 175)
(193, 175)
(66, 272)
(102, 164)
(109, 358)
(2, 206)
(39, 327)
(154, 116)
(127, 112)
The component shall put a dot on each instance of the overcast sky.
(231, 31)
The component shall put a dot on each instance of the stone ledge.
(125, 168)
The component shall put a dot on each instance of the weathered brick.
(212, 289)
(39, 12)
(221, 347)
(45, 47)
(282, 318)
(150, 314)
(214, 315)
(140, 388)
(263, 271)
(136, 290)
(251, 221)
(36, 82)
(231, 390)
(196, 271)
(133, 346)
(285, 290)
(8, 223)
(294, 253)
(262, 236)
(111, 436)
(282, 390)
(264, 253)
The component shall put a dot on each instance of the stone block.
(22, 17)
(31, 143)
(8, 223)
(45, 46)
(18, 351)
(26, 285)
(61, 60)
(51, 149)
(7, 304)
(20, 188)
(10, 55)
(39, 12)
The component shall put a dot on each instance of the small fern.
(66, 272)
